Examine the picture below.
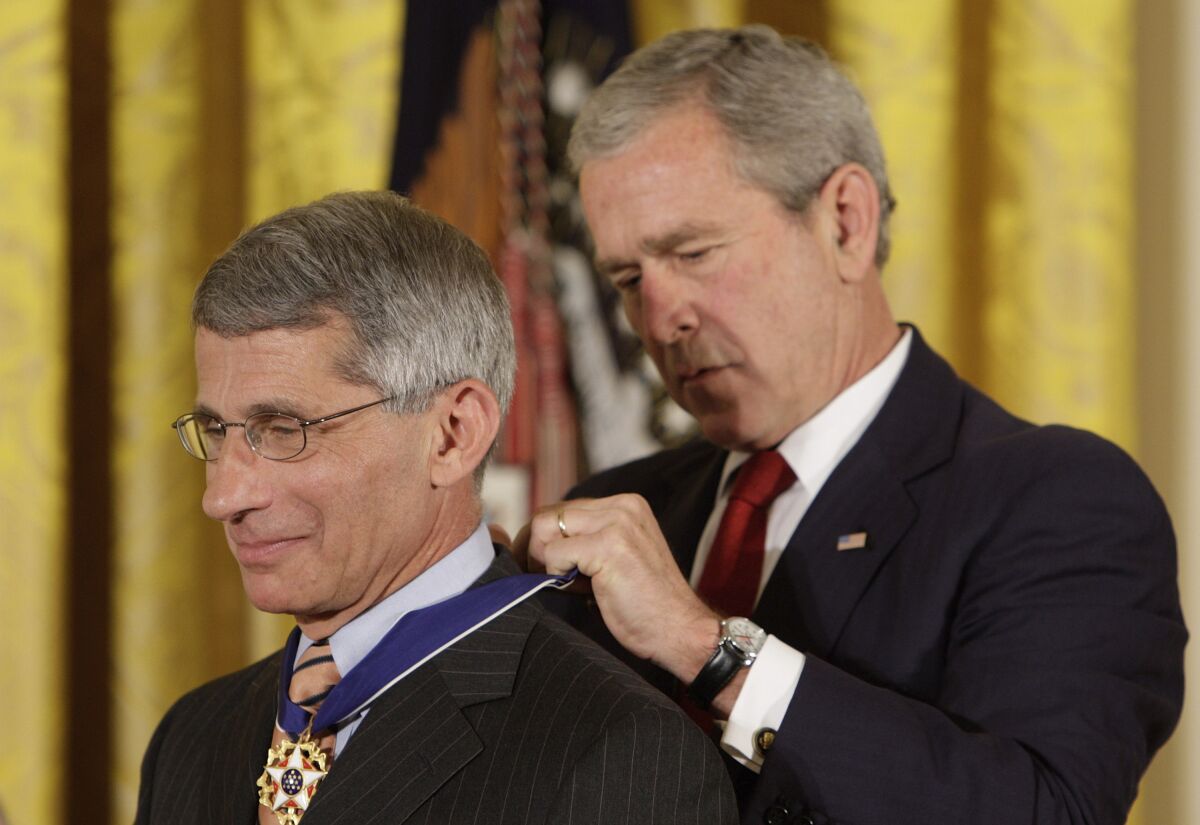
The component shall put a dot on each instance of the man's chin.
(731, 431)
(270, 595)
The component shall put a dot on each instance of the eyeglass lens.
(271, 435)
(275, 436)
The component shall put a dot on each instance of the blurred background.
(1043, 153)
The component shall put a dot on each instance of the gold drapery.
(311, 112)
(1007, 127)
(169, 574)
(33, 460)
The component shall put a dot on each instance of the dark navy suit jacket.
(1007, 649)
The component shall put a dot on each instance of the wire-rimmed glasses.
(270, 434)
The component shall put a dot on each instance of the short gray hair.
(791, 113)
(425, 307)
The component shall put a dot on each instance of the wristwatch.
(738, 647)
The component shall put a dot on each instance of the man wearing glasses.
(354, 358)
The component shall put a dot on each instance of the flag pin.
(852, 541)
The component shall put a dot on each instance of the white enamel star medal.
(290, 778)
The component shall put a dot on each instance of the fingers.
(593, 533)
(561, 535)
(583, 516)
(642, 595)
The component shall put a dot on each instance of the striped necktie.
(313, 677)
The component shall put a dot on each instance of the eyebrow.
(275, 405)
(659, 245)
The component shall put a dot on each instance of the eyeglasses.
(271, 435)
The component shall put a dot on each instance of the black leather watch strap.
(715, 675)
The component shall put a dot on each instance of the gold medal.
(291, 776)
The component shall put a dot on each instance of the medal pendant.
(290, 778)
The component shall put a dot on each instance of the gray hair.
(424, 305)
(792, 115)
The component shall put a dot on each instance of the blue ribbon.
(419, 635)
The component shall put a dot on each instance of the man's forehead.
(267, 370)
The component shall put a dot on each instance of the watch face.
(745, 635)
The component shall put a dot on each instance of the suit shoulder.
(180, 764)
(593, 670)
(631, 749)
(994, 439)
(645, 474)
(207, 700)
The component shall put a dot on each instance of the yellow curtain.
(1008, 132)
(907, 66)
(323, 81)
(165, 569)
(312, 112)
(654, 18)
(33, 462)
(1059, 337)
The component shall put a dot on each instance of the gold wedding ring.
(562, 525)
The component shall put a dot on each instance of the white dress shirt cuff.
(763, 702)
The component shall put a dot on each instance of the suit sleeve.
(1061, 674)
(653, 766)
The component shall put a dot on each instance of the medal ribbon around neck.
(416, 638)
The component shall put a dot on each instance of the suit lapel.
(684, 498)
(416, 737)
(816, 580)
(867, 493)
(411, 742)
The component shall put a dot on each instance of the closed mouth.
(257, 551)
(698, 373)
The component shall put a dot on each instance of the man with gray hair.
(354, 357)
(899, 602)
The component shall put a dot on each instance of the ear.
(852, 198)
(467, 417)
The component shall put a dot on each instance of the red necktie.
(733, 569)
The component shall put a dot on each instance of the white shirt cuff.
(763, 702)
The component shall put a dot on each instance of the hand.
(518, 548)
(645, 601)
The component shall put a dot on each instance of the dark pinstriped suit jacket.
(524, 721)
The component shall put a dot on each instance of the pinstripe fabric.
(524, 721)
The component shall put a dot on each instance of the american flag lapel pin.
(852, 541)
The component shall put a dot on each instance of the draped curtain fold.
(160, 586)
(1007, 125)
(317, 95)
(33, 393)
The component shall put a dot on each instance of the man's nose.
(668, 311)
(237, 483)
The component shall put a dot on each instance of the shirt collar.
(449, 576)
(816, 447)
